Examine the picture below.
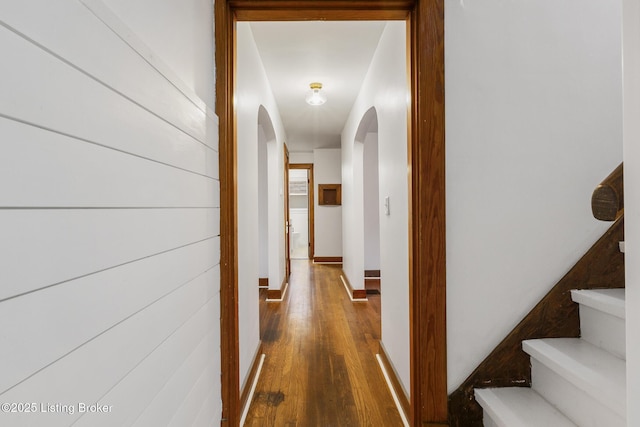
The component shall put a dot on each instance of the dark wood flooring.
(320, 367)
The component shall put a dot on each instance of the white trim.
(247, 404)
(346, 288)
(286, 286)
(393, 392)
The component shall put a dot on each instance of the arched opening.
(269, 200)
(266, 136)
(367, 135)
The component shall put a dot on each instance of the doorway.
(266, 146)
(425, 23)
(301, 208)
(367, 140)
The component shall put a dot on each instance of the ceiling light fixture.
(315, 97)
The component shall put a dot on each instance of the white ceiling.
(337, 54)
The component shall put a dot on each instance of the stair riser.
(518, 407)
(603, 330)
(577, 405)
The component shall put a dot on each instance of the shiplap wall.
(109, 226)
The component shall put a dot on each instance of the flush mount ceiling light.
(315, 97)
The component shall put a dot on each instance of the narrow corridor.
(320, 367)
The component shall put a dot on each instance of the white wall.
(253, 91)
(109, 217)
(300, 157)
(353, 207)
(533, 119)
(385, 88)
(327, 219)
(631, 52)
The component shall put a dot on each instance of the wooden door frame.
(426, 167)
(310, 204)
(287, 215)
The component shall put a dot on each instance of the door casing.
(426, 180)
(310, 204)
(287, 215)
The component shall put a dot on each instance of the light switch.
(387, 210)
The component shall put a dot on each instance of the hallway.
(320, 367)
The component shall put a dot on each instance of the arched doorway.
(266, 149)
(367, 135)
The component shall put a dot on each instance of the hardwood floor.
(320, 367)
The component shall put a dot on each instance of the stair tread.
(611, 301)
(520, 406)
(596, 371)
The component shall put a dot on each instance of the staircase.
(564, 363)
(575, 381)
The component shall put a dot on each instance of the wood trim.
(427, 262)
(372, 284)
(263, 282)
(427, 294)
(287, 213)
(330, 10)
(395, 382)
(372, 273)
(312, 217)
(360, 294)
(332, 259)
(273, 294)
(225, 81)
(277, 294)
(246, 388)
(556, 315)
(312, 202)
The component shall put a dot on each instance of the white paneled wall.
(109, 225)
